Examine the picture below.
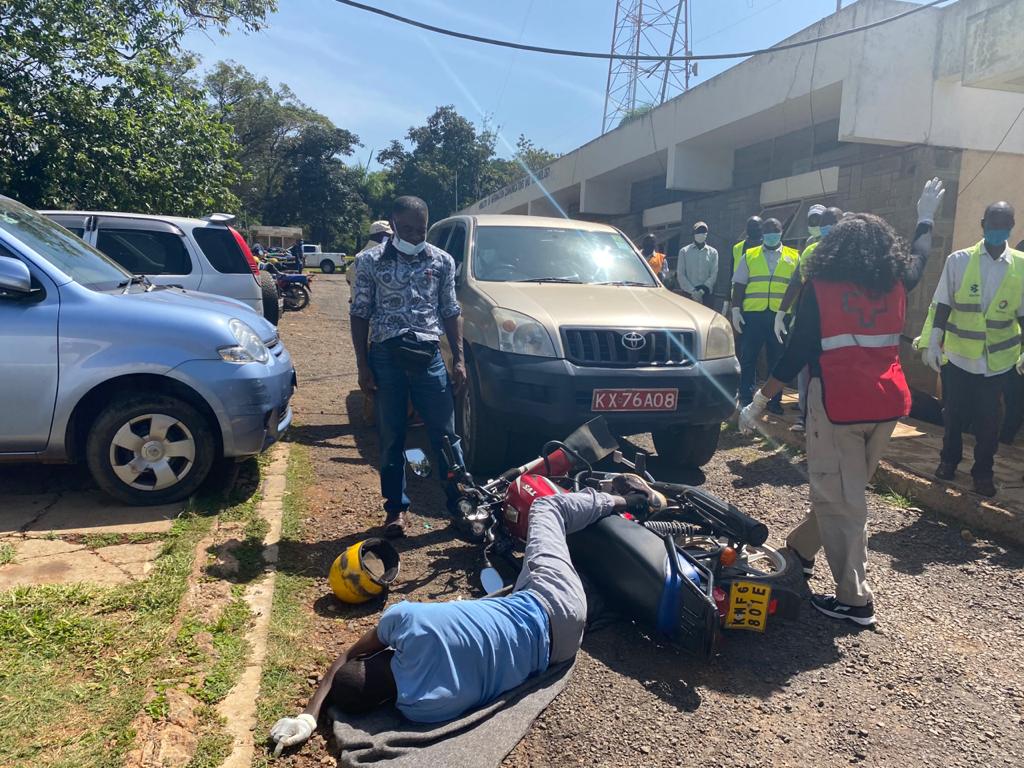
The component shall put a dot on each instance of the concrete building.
(273, 237)
(860, 121)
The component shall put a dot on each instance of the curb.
(975, 512)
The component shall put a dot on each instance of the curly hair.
(862, 249)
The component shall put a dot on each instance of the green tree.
(447, 163)
(528, 158)
(96, 110)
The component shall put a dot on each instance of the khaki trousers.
(841, 458)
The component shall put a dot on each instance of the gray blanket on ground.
(479, 739)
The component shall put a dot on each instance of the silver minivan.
(149, 385)
(205, 254)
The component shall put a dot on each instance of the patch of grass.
(287, 653)
(230, 651)
(100, 540)
(76, 659)
(896, 499)
(6, 553)
(214, 743)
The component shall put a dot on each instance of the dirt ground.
(939, 682)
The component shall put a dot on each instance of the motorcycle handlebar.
(732, 521)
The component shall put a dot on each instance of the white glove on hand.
(780, 325)
(725, 308)
(1020, 365)
(750, 415)
(290, 731)
(932, 355)
(737, 319)
(930, 200)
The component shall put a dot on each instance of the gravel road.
(938, 682)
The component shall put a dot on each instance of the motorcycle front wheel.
(296, 298)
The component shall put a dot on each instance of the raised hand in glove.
(930, 200)
(750, 415)
(780, 325)
(291, 731)
(737, 319)
(932, 355)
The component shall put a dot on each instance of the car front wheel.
(484, 447)
(689, 446)
(150, 449)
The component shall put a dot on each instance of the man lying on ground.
(438, 660)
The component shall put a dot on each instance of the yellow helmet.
(364, 571)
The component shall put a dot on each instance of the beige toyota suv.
(564, 320)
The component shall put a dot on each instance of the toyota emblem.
(633, 340)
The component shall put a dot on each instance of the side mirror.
(418, 462)
(14, 277)
(491, 581)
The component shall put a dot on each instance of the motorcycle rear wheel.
(296, 298)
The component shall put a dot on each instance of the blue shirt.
(398, 293)
(453, 657)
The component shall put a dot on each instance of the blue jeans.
(758, 333)
(431, 393)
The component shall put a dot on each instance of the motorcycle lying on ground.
(696, 567)
(293, 287)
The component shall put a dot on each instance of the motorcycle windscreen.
(593, 441)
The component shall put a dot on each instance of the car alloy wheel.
(152, 452)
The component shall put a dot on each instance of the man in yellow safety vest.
(758, 285)
(977, 324)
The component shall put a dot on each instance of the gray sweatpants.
(547, 570)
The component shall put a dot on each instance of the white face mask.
(407, 248)
(814, 231)
(700, 237)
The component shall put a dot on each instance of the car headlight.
(720, 341)
(250, 347)
(521, 334)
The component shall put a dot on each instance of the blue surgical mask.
(996, 236)
(813, 231)
(825, 229)
(772, 239)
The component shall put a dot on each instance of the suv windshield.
(549, 254)
(74, 258)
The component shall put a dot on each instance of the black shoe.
(945, 471)
(862, 615)
(806, 565)
(985, 486)
(775, 408)
(394, 525)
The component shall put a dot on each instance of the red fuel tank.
(521, 494)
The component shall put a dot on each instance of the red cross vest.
(861, 377)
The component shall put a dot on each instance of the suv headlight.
(250, 347)
(720, 341)
(521, 334)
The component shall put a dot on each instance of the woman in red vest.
(847, 330)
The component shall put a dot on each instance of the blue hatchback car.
(149, 385)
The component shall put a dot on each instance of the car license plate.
(748, 606)
(635, 400)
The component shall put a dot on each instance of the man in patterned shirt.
(402, 301)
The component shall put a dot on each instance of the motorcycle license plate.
(748, 606)
(610, 400)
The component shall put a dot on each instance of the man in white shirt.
(979, 302)
(697, 268)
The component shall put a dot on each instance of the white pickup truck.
(313, 256)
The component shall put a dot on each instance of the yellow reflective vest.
(764, 289)
(994, 333)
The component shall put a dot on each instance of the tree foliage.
(95, 110)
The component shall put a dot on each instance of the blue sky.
(377, 78)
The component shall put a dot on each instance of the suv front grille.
(628, 348)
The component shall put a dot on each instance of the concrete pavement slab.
(82, 512)
(45, 561)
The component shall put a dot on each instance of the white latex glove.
(1020, 365)
(749, 416)
(725, 308)
(737, 319)
(930, 200)
(780, 325)
(290, 731)
(932, 355)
